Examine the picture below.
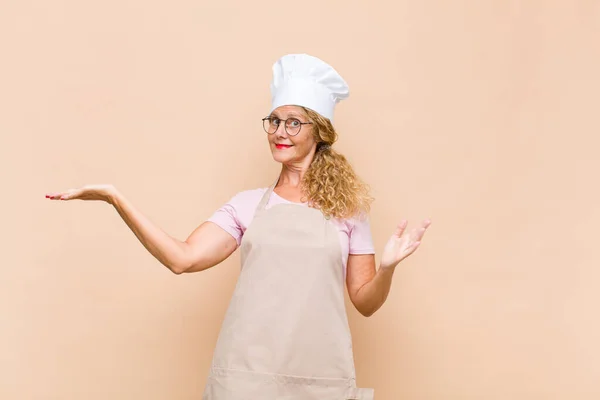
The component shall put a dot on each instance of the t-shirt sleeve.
(228, 218)
(361, 239)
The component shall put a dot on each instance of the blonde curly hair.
(330, 183)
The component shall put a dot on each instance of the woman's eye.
(294, 123)
(275, 121)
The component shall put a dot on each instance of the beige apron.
(285, 335)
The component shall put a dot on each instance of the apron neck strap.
(267, 196)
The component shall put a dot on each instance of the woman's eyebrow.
(291, 114)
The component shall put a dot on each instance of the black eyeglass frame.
(284, 125)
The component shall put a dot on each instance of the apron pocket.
(226, 384)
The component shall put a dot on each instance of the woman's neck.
(291, 176)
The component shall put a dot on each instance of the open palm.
(87, 192)
(401, 244)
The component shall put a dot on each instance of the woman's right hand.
(206, 247)
(88, 192)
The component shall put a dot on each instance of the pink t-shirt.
(236, 215)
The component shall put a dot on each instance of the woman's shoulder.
(246, 198)
(251, 192)
(360, 218)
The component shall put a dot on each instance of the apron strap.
(265, 199)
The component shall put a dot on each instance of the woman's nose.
(280, 131)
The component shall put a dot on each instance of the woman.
(285, 334)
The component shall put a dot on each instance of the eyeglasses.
(292, 125)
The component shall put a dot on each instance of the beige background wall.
(482, 115)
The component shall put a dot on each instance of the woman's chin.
(281, 158)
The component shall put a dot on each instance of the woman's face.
(287, 149)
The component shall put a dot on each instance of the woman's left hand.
(401, 244)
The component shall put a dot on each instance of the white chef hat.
(304, 80)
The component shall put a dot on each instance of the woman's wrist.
(112, 195)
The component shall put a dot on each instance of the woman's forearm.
(171, 252)
(371, 296)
